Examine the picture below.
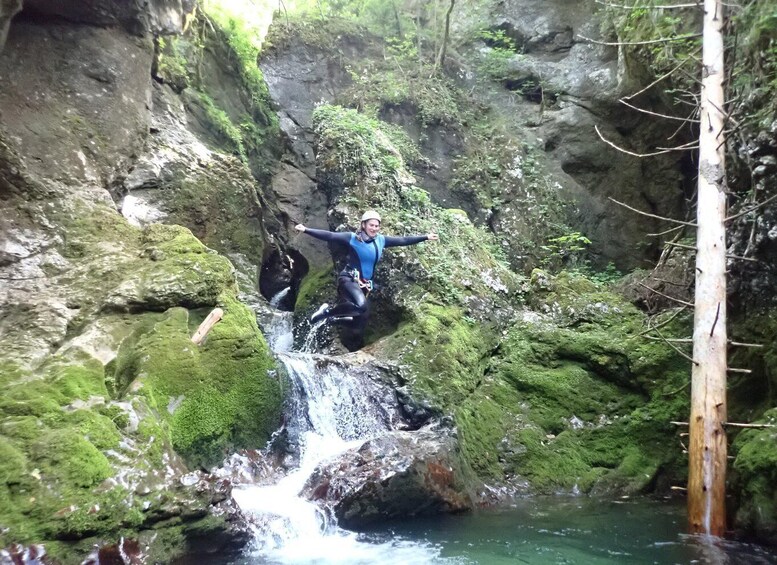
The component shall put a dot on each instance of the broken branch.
(652, 215)
(666, 296)
(207, 324)
(648, 42)
(668, 117)
(744, 212)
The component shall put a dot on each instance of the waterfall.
(330, 410)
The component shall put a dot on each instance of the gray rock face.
(83, 114)
(582, 83)
(136, 16)
(299, 77)
(8, 8)
(754, 234)
(400, 474)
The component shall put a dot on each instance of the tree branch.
(648, 42)
(666, 296)
(659, 79)
(659, 7)
(670, 230)
(678, 350)
(652, 215)
(627, 152)
(744, 212)
(623, 101)
(662, 324)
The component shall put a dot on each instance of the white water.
(329, 412)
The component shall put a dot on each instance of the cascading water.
(330, 410)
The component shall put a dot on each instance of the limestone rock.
(137, 16)
(398, 475)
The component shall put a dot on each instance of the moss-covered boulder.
(214, 397)
(566, 400)
(755, 479)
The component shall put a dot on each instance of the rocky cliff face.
(107, 405)
(139, 150)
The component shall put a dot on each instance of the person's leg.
(352, 301)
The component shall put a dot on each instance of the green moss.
(312, 286)
(98, 430)
(585, 408)
(35, 398)
(22, 428)
(152, 435)
(444, 350)
(13, 463)
(111, 511)
(79, 381)
(755, 477)
(486, 421)
(219, 203)
(64, 455)
(202, 426)
(219, 394)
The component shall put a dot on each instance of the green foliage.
(508, 179)
(649, 24)
(754, 38)
(222, 124)
(172, 63)
(435, 99)
(361, 149)
(565, 250)
(245, 41)
(502, 49)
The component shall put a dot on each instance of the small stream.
(330, 411)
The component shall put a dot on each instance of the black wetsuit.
(363, 257)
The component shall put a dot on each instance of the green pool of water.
(567, 530)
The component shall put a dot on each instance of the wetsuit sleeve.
(401, 241)
(335, 236)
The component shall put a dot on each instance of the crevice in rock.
(281, 270)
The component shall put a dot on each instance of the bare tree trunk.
(441, 55)
(707, 449)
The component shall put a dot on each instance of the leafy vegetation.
(502, 49)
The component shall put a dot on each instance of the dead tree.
(707, 450)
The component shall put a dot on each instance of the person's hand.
(300, 227)
(432, 236)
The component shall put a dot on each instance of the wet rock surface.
(401, 474)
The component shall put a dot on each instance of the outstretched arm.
(325, 235)
(409, 239)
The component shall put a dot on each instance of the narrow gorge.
(155, 157)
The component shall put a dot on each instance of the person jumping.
(354, 282)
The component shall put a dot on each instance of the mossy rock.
(213, 397)
(445, 351)
(13, 464)
(66, 456)
(755, 478)
(317, 286)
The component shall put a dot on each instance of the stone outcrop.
(106, 405)
(401, 474)
(136, 16)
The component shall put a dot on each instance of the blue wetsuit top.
(364, 254)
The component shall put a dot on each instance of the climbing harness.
(364, 284)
